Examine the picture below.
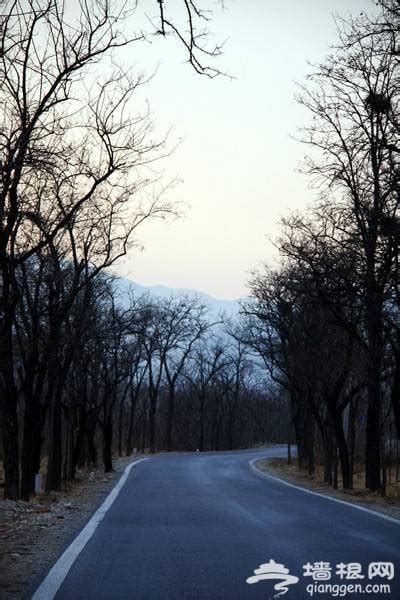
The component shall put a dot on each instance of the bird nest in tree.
(378, 103)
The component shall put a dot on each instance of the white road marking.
(260, 473)
(51, 584)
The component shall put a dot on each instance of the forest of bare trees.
(101, 372)
(326, 321)
(89, 371)
(84, 371)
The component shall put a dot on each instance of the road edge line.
(55, 577)
(265, 475)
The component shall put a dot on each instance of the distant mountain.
(217, 308)
(229, 307)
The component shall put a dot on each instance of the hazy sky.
(237, 160)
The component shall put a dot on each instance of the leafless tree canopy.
(194, 34)
(326, 321)
(77, 182)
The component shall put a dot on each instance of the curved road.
(196, 526)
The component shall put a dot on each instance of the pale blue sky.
(237, 159)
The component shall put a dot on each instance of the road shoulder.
(372, 503)
(33, 535)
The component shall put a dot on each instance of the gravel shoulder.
(34, 534)
(279, 467)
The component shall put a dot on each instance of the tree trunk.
(57, 378)
(92, 451)
(9, 405)
(152, 426)
(10, 439)
(31, 417)
(231, 422)
(77, 449)
(300, 417)
(67, 469)
(201, 424)
(344, 457)
(170, 417)
(310, 448)
(129, 437)
(374, 360)
(218, 434)
(328, 445)
(107, 447)
(54, 467)
(351, 435)
(395, 394)
(120, 424)
(34, 422)
(373, 433)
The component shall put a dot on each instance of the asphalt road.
(196, 526)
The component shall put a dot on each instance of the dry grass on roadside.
(389, 505)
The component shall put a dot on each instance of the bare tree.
(353, 100)
(65, 148)
(207, 361)
(185, 323)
